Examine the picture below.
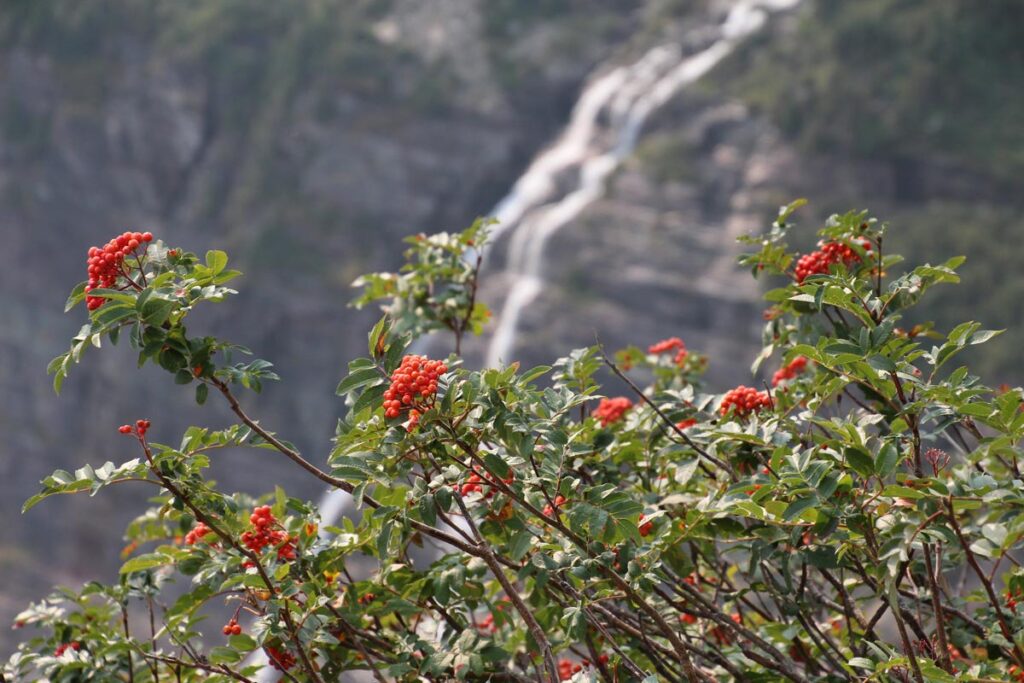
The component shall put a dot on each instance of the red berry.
(611, 410)
(744, 401)
(413, 387)
(125, 429)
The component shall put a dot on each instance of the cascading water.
(534, 211)
(602, 132)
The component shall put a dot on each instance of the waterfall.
(625, 96)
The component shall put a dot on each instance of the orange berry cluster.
(818, 262)
(232, 628)
(475, 483)
(197, 532)
(549, 511)
(107, 264)
(413, 386)
(487, 625)
(745, 400)
(282, 660)
(789, 371)
(140, 428)
(611, 410)
(671, 344)
(723, 636)
(567, 669)
(264, 534)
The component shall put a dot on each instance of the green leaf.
(861, 462)
(216, 260)
(358, 379)
(798, 506)
(156, 311)
(224, 655)
(243, 642)
(77, 296)
(428, 509)
(887, 460)
(143, 562)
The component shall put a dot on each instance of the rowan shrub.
(854, 515)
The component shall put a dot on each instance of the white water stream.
(602, 132)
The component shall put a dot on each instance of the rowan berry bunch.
(197, 533)
(139, 428)
(107, 265)
(413, 387)
(611, 410)
(645, 528)
(686, 424)
(818, 262)
(549, 509)
(280, 659)
(74, 645)
(483, 484)
(744, 401)
(487, 625)
(265, 531)
(667, 346)
(789, 371)
(567, 669)
(232, 628)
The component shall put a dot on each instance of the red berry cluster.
(264, 534)
(549, 511)
(671, 344)
(789, 371)
(720, 634)
(686, 424)
(818, 262)
(745, 400)
(282, 660)
(476, 483)
(567, 669)
(1013, 599)
(140, 428)
(487, 624)
(107, 264)
(196, 533)
(64, 647)
(611, 410)
(232, 628)
(413, 386)
(645, 527)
